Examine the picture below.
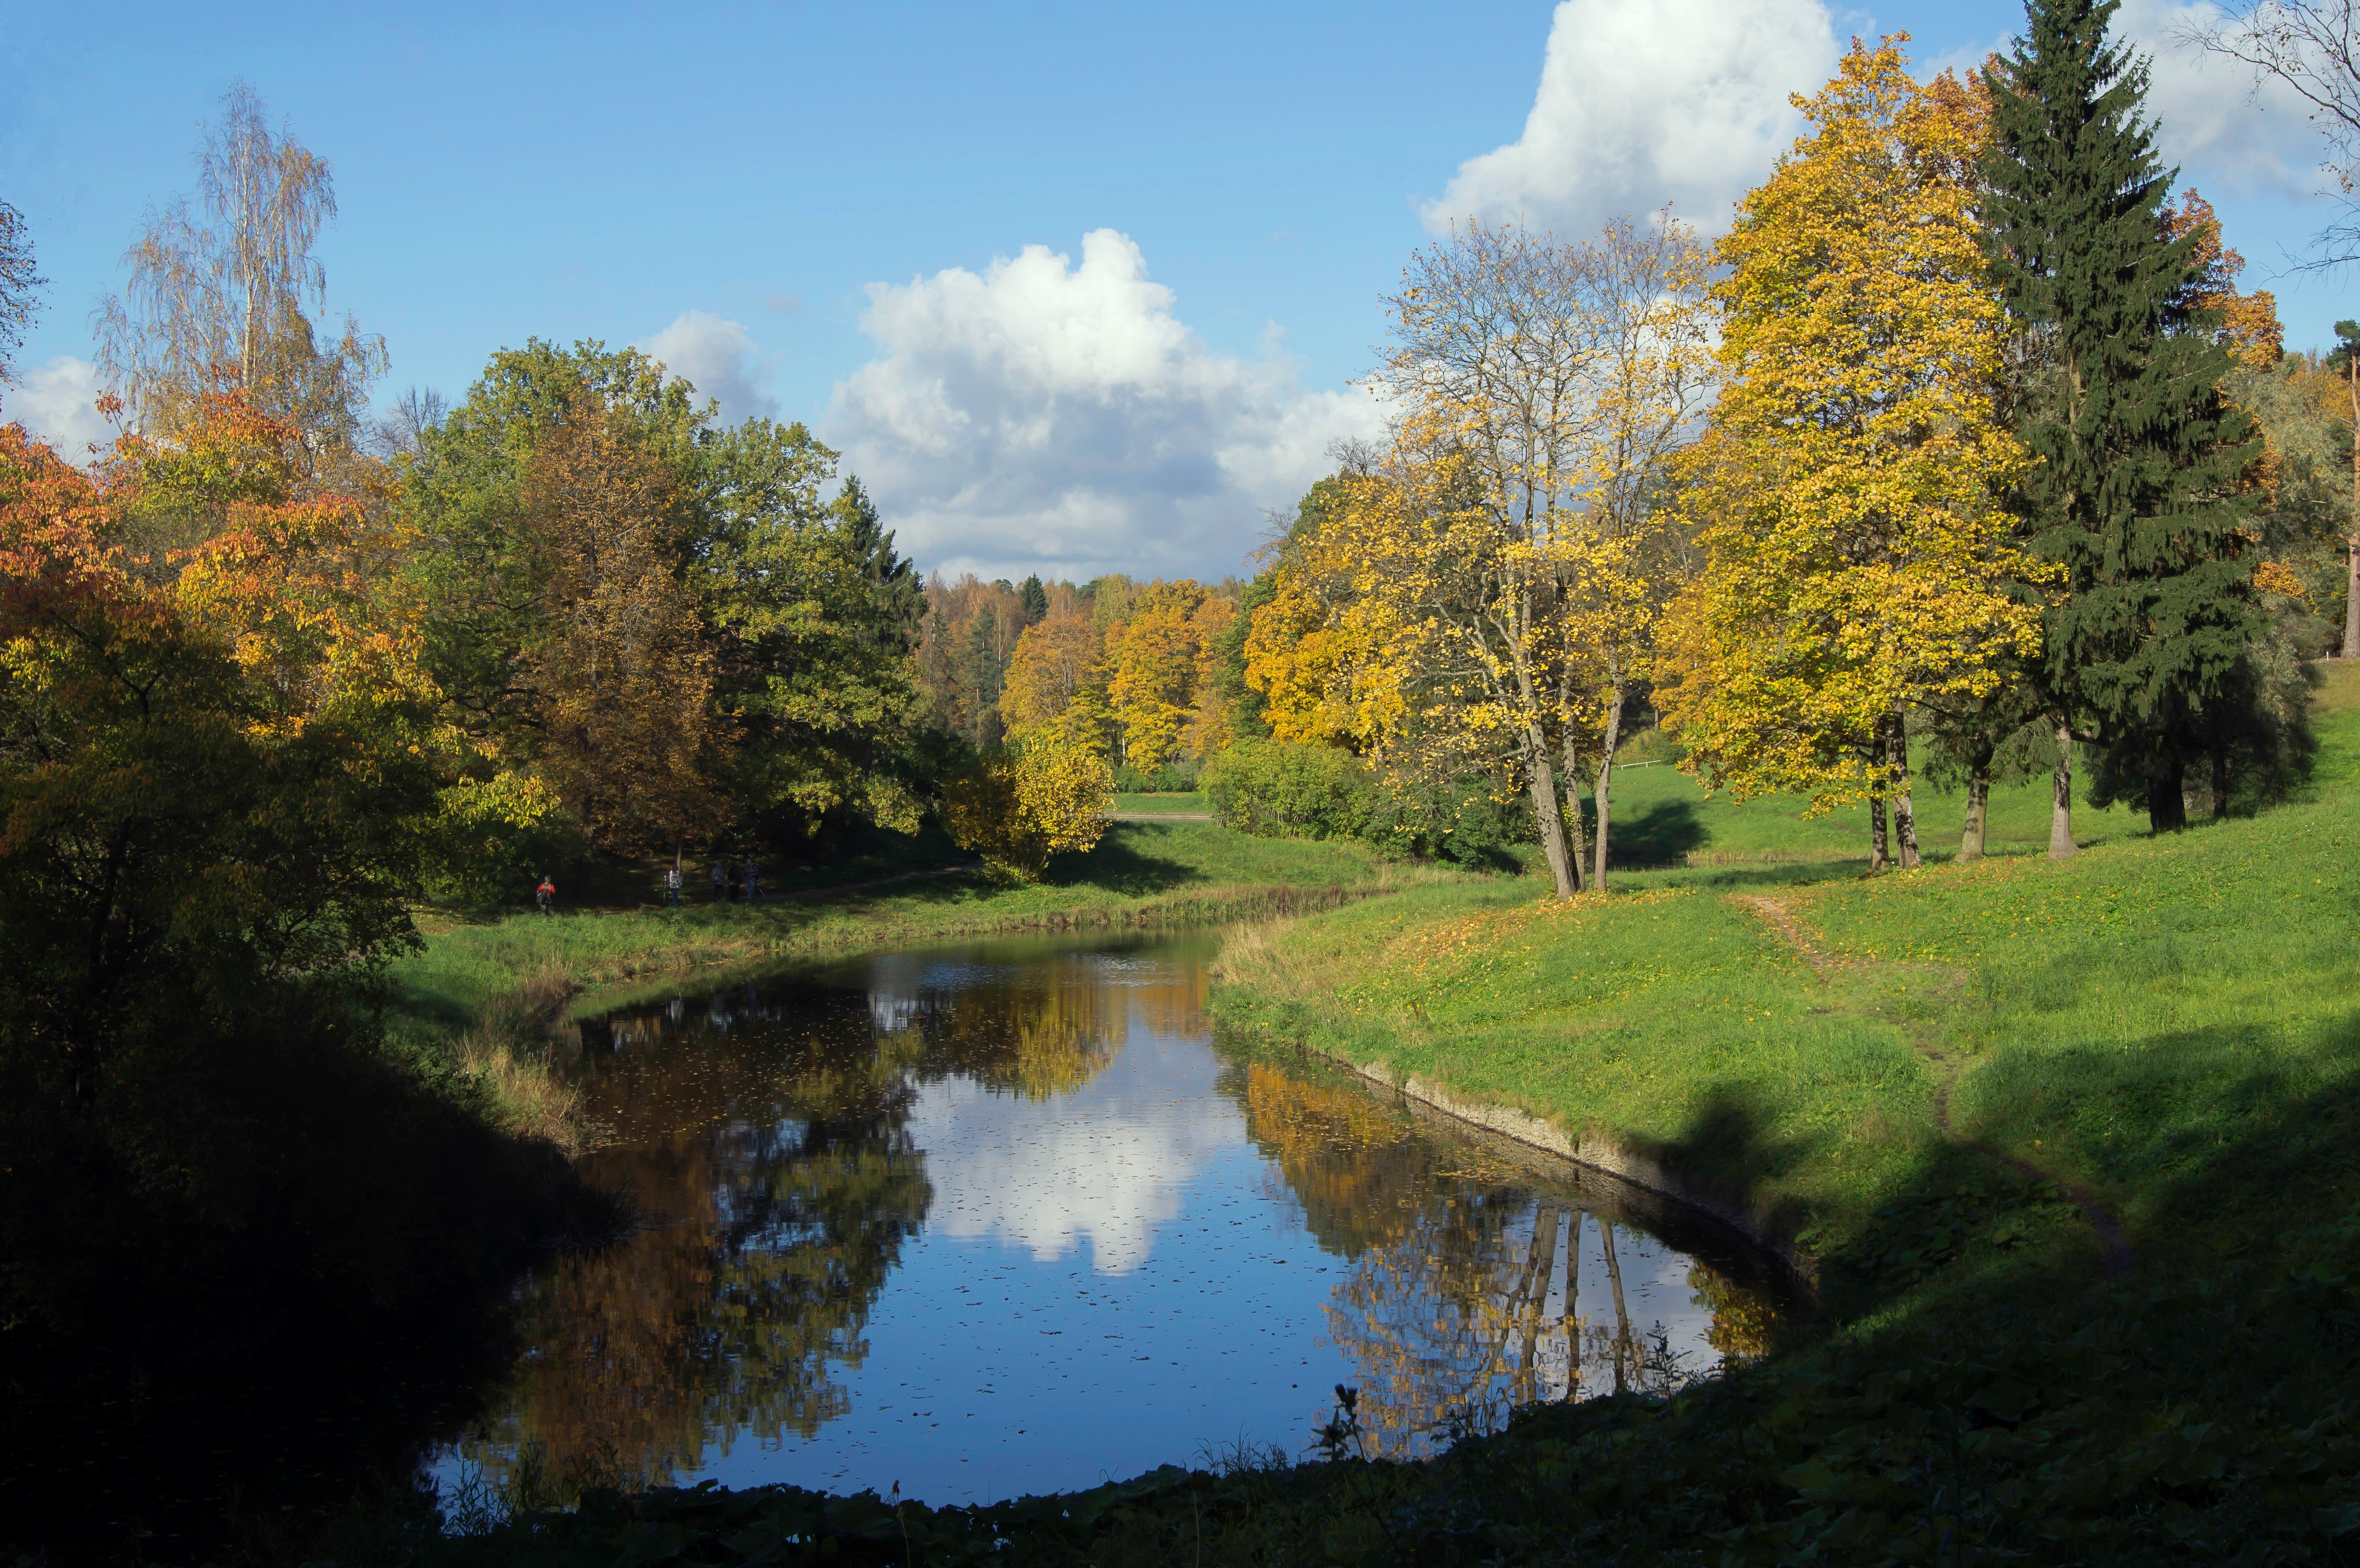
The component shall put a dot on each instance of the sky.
(1072, 289)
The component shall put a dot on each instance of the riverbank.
(488, 985)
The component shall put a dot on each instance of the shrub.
(1020, 807)
(1176, 777)
(1276, 788)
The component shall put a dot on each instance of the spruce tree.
(2135, 495)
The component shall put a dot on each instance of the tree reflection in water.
(1464, 1297)
(770, 1133)
(780, 1181)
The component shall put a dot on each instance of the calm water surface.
(1003, 1219)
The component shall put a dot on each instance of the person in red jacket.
(545, 896)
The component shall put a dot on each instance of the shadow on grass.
(1119, 865)
(1663, 835)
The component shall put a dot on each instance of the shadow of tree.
(1662, 834)
(1121, 865)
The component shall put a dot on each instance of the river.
(978, 1221)
(1003, 1219)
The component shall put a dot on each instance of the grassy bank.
(495, 974)
(1791, 1035)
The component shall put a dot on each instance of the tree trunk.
(2061, 808)
(1878, 859)
(2166, 795)
(1563, 868)
(1606, 785)
(2220, 782)
(1621, 1313)
(2352, 540)
(1971, 840)
(1569, 1325)
(1896, 764)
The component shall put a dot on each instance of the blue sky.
(732, 186)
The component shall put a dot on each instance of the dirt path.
(2116, 1246)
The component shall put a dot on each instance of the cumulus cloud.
(1044, 415)
(1645, 102)
(718, 358)
(55, 403)
(2229, 133)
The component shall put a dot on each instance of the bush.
(1285, 789)
(1275, 788)
(1020, 807)
(1176, 777)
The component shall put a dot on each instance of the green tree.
(1035, 598)
(2135, 496)
(813, 616)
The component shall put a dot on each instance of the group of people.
(726, 889)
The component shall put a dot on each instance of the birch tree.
(229, 297)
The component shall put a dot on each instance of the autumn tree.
(231, 297)
(1018, 807)
(1490, 358)
(1849, 484)
(2138, 498)
(20, 287)
(968, 637)
(1159, 660)
(620, 672)
(1054, 677)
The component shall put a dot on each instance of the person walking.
(753, 888)
(545, 896)
(671, 885)
(720, 882)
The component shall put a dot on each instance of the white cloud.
(718, 358)
(1645, 102)
(55, 403)
(1047, 416)
(2226, 137)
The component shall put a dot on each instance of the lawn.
(1169, 802)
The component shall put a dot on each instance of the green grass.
(1665, 823)
(1193, 800)
(2109, 1016)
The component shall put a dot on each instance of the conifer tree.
(2136, 493)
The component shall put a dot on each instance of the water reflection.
(1465, 1299)
(1002, 1220)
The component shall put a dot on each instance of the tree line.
(1960, 446)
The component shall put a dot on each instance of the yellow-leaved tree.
(1848, 485)
(1481, 597)
(1017, 808)
(1160, 661)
